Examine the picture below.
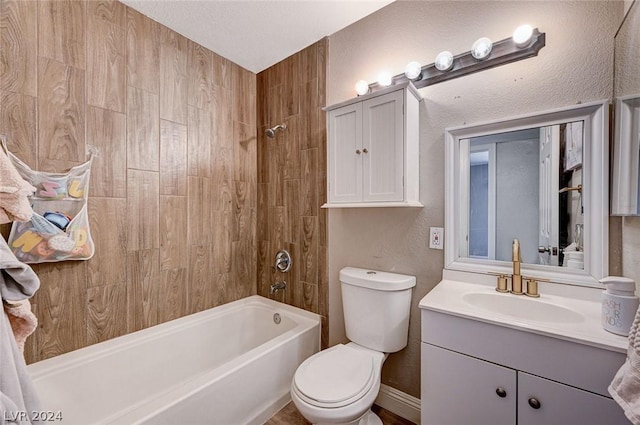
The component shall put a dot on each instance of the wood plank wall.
(292, 179)
(173, 196)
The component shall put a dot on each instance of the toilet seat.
(335, 377)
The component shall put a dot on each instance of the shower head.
(271, 132)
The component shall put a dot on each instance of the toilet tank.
(376, 308)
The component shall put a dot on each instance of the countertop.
(447, 297)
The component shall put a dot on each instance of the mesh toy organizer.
(61, 198)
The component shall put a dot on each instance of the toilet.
(339, 385)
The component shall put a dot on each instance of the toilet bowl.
(339, 385)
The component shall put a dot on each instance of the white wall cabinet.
(373, 149)
(477, 373)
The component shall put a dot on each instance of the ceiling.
(259, 33)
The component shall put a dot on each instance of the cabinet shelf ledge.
(413, 204)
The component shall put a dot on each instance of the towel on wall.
(625, 386)
(14, 191)
(22, 320)
(17, 395)
(18, 282)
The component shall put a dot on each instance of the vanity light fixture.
(522, 35)
(525, 43)
(481, 48)
(444, 61)
(413, 71)
(362, 87)
(385, 79)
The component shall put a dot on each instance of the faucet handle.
(532, 286)
(502, 283)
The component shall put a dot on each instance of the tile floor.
(289, 416)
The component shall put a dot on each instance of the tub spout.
(278, 286)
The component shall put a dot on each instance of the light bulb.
(413, 70)
(362, 87)
(481, 48)
(384, 79)
(522, 35)
(444, 61)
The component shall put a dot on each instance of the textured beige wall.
(576, 65)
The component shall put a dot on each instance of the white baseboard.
(402, 404)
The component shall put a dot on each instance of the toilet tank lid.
(374, 279)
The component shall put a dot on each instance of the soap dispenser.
(619, 304)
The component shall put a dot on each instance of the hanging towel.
(19, 281)
(18, 398)
(22, 320)
(625, 387)
(14, 191)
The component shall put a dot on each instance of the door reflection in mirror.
(525, 184)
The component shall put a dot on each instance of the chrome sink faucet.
(516, 277)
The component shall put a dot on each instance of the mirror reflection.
(530, 182)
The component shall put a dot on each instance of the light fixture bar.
(503, 52)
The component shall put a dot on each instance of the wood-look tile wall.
(173, 198)
(292, 179)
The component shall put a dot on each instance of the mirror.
(541, 179)
(626, 92)
(529, 181)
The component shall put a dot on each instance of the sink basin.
(521, 307)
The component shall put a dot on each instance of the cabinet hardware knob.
(534, 403)
(358, 151)
(501, 392)
(365, 150)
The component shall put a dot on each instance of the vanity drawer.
(576, 364)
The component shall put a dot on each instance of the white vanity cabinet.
(373, 149)
(479, 373)
(460, 389)
(542, 401)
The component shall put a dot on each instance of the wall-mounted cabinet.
(373, 156)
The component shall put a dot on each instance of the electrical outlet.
(436, 235)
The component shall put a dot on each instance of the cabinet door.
(383, 148)
(345, 154)
(458, 390)
(561, 404)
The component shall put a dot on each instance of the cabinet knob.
(358, 151)
(365, 150)
(501, 392)
(534, 403)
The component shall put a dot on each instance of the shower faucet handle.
(284, 261)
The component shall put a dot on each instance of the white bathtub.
(229, 365)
